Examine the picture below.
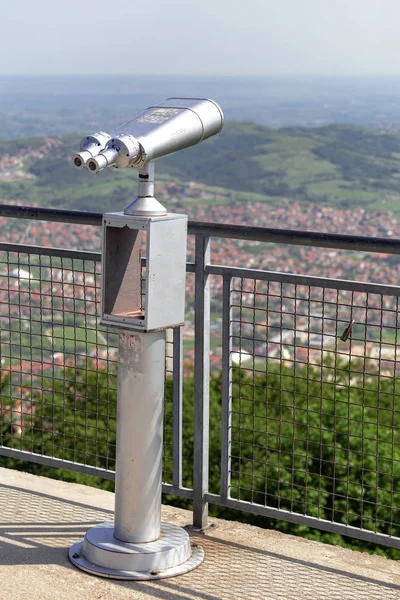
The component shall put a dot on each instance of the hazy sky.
(203, 37)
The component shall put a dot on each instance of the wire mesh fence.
(58, 364)
(310, 412)
(58, 367)
(314, 407)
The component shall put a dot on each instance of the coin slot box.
(122, 285)
(143, 271)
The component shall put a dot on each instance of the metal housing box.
(150, 297)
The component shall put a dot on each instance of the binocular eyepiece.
(90, 146)
(168, 127)
(120, 152)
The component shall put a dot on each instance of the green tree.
(312, 440)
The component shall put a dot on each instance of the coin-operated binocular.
(142, 294)
(154, 298)
(160, 130)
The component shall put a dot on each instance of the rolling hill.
(338, 164)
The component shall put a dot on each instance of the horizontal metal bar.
(308, 280)
(56, 462)
(80, 217)
(53, 252)
(221, 230)
(296, 238)
(182, 492)
(223, 270)
(285, 515)
(59, 463)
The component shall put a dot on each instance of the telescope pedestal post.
(145, 204)
(138, 546)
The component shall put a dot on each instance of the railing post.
(201, 381)
(177, 408)
(226, 387)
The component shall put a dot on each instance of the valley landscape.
(327, 161)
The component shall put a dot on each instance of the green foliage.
(305, 439)
(337, 164)
(12, 147)
(330, 450)
(73, 420)
(297, 163)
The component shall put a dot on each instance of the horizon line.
(211, 75)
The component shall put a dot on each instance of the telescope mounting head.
(160, 130)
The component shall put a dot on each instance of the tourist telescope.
(173, 125)
(160, 130)
(142, 303)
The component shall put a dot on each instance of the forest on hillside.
(338, 165)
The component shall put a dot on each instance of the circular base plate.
(146, 206)
(99, 553)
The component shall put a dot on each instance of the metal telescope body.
(143, 304)
(173, 125)
(90, 146)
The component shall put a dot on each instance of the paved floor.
(41, 518)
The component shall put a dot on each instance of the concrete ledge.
(41, 518)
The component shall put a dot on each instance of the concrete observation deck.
(41, 518)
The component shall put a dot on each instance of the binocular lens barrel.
(80, 159)
(104, 159)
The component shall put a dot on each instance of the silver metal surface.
(23, 252)
(307, 280)
(177, 408)
(168, 127)
(166, 273)
(388, 245)
(158, 131)
(226, 389)
(146, 181)
(163, 301)
(202, 382)
(106, 159)
(145, 204)
(100, 553)
(90, 147)
(121, 151)
(141, 372)
(173, 125)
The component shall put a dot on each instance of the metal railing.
(309, 415)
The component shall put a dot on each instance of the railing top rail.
(297, 238)
(59, 215)
(221, 230)
(50, 251)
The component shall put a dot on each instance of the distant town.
(13, 167)
(49, 307)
